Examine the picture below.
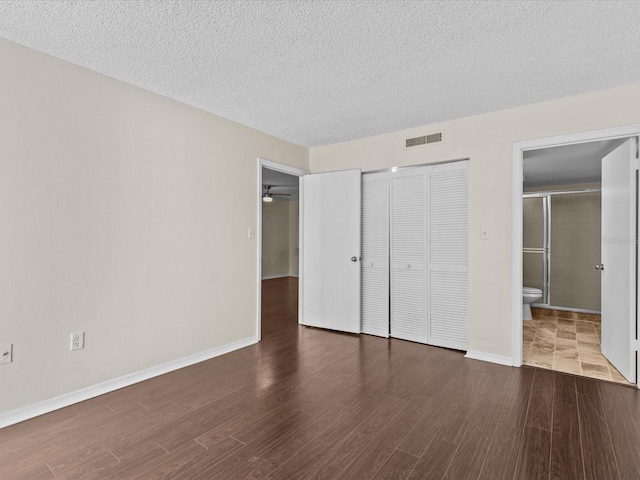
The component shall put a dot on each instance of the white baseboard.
(55, 403)
(489, 357)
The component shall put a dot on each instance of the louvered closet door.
(374, 310)
(448, 296)
(409, 254)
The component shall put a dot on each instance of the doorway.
(279, 241)
(563, 226)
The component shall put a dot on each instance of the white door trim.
(516, 227)
(298, 172)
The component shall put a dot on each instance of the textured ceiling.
(566, 165)
(317, 73)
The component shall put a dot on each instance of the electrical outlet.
(251, 233)
(77, 341)
(6, 353)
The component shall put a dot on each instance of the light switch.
(484, 233)
(6, 353)
(251, 233)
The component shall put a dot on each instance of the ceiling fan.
(268, 197)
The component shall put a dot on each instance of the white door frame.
(516, 229)
(298, 172)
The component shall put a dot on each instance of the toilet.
(529, 296)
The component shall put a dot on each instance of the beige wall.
(487, 140)
(275, 239)
(115, 219)
(294, 236)
(280, 239)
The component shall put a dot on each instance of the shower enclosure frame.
(545, 251)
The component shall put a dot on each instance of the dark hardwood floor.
(308, 403)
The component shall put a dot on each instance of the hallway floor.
(569, 346)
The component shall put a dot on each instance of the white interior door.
(374, 308)
(409, 254)
(619, 258)
(331, 250)
(448, 232)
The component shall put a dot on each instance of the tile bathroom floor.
(569, 346)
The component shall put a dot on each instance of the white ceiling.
(320, 72)
(570, 164)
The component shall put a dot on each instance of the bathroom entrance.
(579, 249)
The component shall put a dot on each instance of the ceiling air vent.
(423, 140)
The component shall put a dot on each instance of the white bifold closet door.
(409, 254)
(447, 233)
(374, 280)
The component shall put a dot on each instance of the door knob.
(354, 259)
(408, 265)
(600, 267)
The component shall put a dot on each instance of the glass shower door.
(535, 252)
